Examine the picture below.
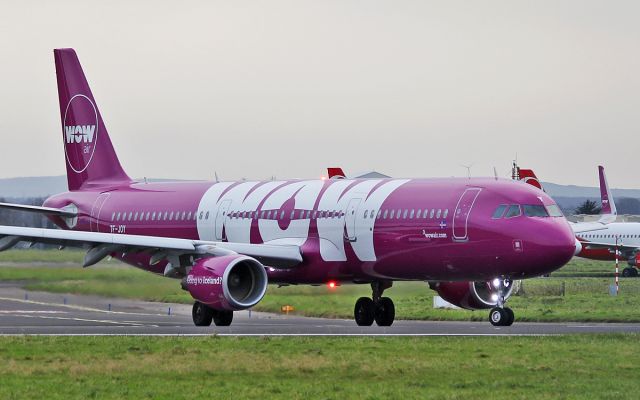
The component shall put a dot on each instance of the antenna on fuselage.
(215, 173)
(468, 167)
(495, 172)
(515, 170)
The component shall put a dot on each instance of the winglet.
(608, 212)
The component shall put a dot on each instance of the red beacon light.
(332, 284)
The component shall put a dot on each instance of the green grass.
(584, 299)
(42, 256)
(571, 367)
(589, 268)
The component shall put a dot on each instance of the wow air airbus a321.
(225, 241)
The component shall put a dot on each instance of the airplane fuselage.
(348, 230)
(620, 233)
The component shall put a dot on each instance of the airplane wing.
(100, 245)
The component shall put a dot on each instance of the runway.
(39, 313)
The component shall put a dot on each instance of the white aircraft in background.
(599, 239)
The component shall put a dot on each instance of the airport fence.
(555, 287)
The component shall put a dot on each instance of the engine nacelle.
(470, 295)
(233, 282)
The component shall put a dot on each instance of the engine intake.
(470, 295)
(233, 282)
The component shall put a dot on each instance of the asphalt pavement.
(41, 313)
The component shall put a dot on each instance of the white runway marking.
(103, 321)
(32, 312)
(75, 307)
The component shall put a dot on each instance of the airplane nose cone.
(578, 248)
(550, 245)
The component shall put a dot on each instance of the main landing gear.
(203, 315)
(376, 308)
(501, 315)
(629, 272)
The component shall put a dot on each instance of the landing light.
(496, 283)
(494, 297)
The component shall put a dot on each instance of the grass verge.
(582, 366)
(556, 298)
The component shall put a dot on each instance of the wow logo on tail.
(80, 131)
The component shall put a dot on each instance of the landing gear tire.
(385, 312)
(222, 318)
(629, 272)
(501, 316)
(364, 311)
(202, 315)
(511, 316)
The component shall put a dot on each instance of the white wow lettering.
(294, 202)
(79, 133)
(203, 280)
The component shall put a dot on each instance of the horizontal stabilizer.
(60, 212)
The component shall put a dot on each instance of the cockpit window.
(554, 210)
(513, 211)
(535, 210)
(499, 211)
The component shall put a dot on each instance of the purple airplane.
(225, 241)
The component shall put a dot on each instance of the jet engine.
(231, 283)
(470, 295)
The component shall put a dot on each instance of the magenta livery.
(225, 241)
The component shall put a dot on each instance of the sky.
(255, 89)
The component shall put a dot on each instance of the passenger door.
(220, 219)
(462, 212)
(350, 219)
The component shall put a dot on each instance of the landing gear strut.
(501, 315)
(376, 308)
(203, 315)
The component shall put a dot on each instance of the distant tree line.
(624, 205)
(589, 207)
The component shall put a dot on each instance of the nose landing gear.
(377, 308)
(501, 315)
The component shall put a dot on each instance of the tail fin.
(335, 173)
(91, 159)
(608, 210)
(528, 176)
